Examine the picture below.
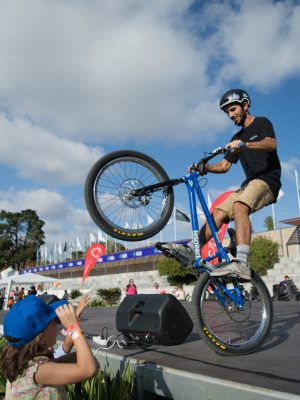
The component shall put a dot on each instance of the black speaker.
(160, 316)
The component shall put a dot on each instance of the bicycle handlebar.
(212, 154)
(217, 151)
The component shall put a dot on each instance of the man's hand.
(200, 168)
(235, 146)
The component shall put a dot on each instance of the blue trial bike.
(130, 197)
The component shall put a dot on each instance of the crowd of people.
(15, 295)
(178, 291)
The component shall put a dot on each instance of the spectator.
(179, 292)
(158, 289)
(16, 294)
(32, 290)
(131, 288)
(11, 299)
(27, 359)
(66, 295)
(21, 293)
(282, 287)
(68, 343)
(2, 297)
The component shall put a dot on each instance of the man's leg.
(185, 253)
(241, 214)
(219, 217)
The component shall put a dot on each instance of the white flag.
(209, 202)
(59, 249)
(200, 213)
(280, 194)
(93, 238)
(78, 244)
(101, 238)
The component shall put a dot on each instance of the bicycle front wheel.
(225, 327)
(109, 200)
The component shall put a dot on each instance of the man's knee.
(240, 208)
(220, 217)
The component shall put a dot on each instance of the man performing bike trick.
(254, 145)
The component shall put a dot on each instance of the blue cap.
(29, 317)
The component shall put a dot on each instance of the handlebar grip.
(242, 145)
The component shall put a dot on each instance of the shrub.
(177, 274)
(75, 293)
(263, 254)
(110, 295)
(104, 386)
(97, 302)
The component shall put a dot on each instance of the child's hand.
(84, 301)
(66, 315)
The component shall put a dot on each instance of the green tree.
(21, 234)
(177, 273)
(110, 295)
(263, 254)
(113, 247)
(269, 223)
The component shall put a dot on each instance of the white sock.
(242, 253)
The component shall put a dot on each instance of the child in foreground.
(27, 362)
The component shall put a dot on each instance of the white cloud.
(62, 220)
(104, 71)
(40, 155)
(289, 167)
(111, 71)
(259, 41)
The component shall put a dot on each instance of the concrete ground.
(275, 366)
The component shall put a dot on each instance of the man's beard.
(241, 120)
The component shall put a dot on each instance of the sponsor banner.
(107, 258)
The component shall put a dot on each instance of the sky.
(81, 79)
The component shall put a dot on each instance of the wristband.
(72, 327)
(75, 335)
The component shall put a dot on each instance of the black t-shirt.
(262, 165)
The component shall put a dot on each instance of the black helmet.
(234, 96)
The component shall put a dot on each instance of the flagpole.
(297, 187)
(273, 216)
(175, 228)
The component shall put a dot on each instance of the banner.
(92, 255)
(210, 247)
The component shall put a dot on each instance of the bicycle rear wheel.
(109, 200)
(227, 329)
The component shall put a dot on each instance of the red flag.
(210, 247)
(92, 255)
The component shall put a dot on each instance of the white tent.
(24, 279)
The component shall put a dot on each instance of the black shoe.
(181, 252)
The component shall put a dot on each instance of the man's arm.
(218, 168)
(266, 144)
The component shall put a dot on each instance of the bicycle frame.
(192, 183)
